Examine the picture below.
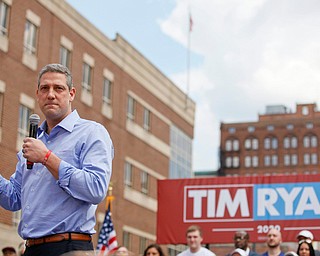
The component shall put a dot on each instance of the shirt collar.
(67, 123)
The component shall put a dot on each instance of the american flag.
(107, 242)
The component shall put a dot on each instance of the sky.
(244, 55)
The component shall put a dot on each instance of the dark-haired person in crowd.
(241, 241)
(153, 250)
(305, 235)
(305, 248)
(9, 251)
(70, 176)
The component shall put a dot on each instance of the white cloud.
(255, 53)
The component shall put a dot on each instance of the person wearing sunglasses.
(305, 248)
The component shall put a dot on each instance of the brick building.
(281, 141)
(150, 120)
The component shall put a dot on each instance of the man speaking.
(72, 162)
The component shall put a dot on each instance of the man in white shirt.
(194, 239)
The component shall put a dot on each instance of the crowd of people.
(194, 238)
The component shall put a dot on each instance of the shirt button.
(28, 207)
(26, 225)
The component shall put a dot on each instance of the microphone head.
(34, 119)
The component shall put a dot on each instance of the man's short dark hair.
(57, 68)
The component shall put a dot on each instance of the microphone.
(34, 121)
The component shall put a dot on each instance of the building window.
(247, 161)
(314, 158)
(305, 110)
(131, 108)
(146, 119)
(65, 57)
(142, 245)
(4, 18)
(128, 174)
(294, 159)
(232, 130)
(247, 144)
(274, 143)
(126, 240)
(270, 128)
(144, 182)
(232, 162)
(290, 142)
(290, 159)
(255, 161)
(181, 154)
(106, 97)
(274, 160)
(286, 160)
(306, 159)
(229, 162)
(267, 143)
(290, 126)
(86, 77)
(310, 159)
(270, 143)
(309, 125)
(267, 161)
(24, 113)
(251, 128)
(30, 38)
(235, 162)
(310, 141)
(251, 143)
(232, 145)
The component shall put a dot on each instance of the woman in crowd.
(153, 250)
(305, 248)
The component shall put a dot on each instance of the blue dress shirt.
(51, 206)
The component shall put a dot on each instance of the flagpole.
(110, 198)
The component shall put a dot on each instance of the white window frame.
(235, 162)
(30, 38)
(274, 160)
(267, 143)
(144, 181)
(128, 174)
(87, 77)
(235, 145)
(131, 108)
(107, 87)
(4, 18)
(146, 119)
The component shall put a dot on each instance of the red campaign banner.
(223, 205)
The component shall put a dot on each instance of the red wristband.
(46, 157)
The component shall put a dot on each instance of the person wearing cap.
(307, 235)
(274, 240)
(9, 251)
